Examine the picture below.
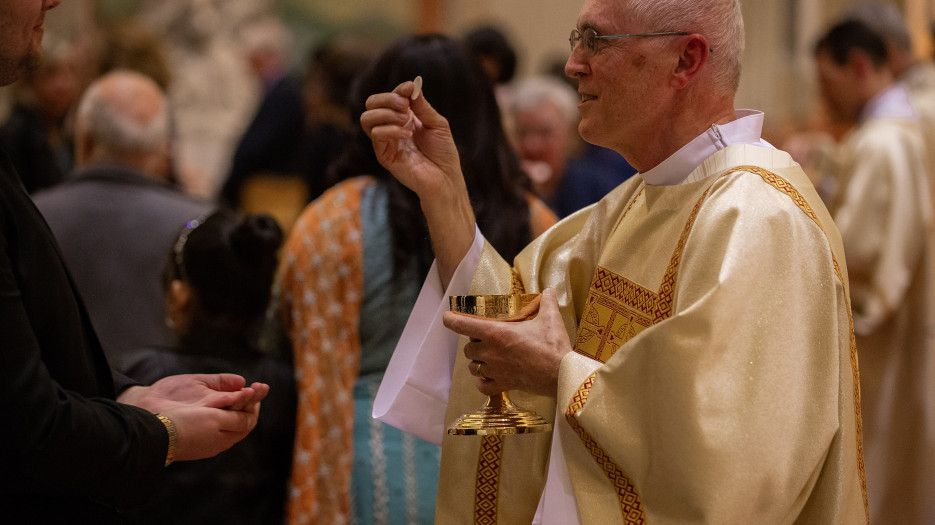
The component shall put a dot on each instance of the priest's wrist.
(173, 437)
(451, 229)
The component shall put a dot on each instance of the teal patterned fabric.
(395, 475)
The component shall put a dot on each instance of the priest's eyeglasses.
(590, 37)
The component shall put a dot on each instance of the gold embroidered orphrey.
(488, 480)
(617, 310)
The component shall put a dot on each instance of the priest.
(693, 347)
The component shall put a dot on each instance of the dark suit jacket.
(245, 485)
(115, 227)
(71, 454)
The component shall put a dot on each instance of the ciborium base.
(497, 417)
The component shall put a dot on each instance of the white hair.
(720, 21)
(531, 92)
(104, 118)
(268, 36)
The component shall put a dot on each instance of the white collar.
(744, 129)
(892, 102)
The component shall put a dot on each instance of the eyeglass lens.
(588, 37)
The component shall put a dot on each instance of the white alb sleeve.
(413, 396)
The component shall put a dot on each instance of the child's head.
(220, 272)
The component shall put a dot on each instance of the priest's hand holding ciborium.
(498, 415)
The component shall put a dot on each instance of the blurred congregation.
(218, 207)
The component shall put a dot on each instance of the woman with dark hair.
(495, 53)
(352, 270)
(218, 281)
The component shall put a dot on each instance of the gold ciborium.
(498, 415)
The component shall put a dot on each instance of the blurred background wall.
(216, 95)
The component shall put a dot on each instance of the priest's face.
(21, 36)
(839, 85)
(619, 80)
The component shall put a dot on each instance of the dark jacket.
(245, 485)
(115, 227)
(588, 178)
(272, 143)
(71, 453)
(25, 137)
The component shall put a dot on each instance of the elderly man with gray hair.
(115, 215)
(566, 173)
(693, 346)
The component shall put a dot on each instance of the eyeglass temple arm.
(662, 33)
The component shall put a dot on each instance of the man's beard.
(11, 71)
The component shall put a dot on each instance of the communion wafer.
(417, 90)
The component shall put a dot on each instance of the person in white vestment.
(693, 346)
(915, 74)
(881, 206)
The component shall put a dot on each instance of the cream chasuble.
(713, 379)
(919, 81)
(885, 219)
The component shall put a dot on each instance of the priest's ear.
(693, 53)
